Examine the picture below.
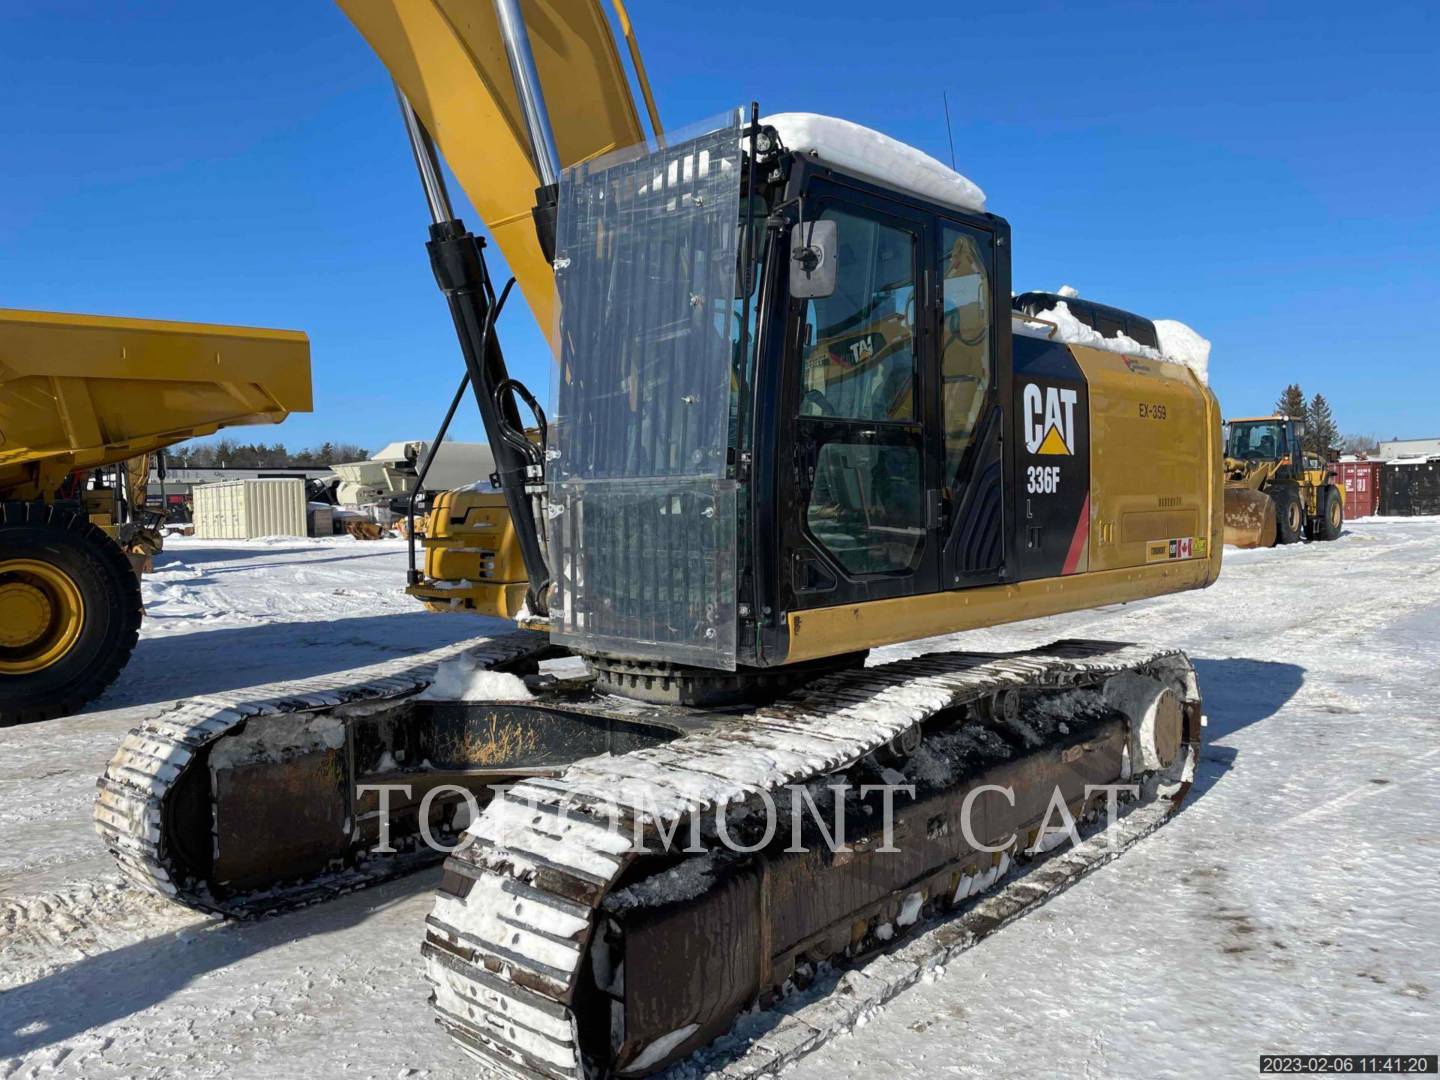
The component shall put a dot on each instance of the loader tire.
(1332, 514)
(1289, 516)
(69, 611)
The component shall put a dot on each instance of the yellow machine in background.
(78, 395)
(472, 559)
(1276, 493)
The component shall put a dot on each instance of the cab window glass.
(1259, 441)
(858, 349)
(865, 507)
(965, 367)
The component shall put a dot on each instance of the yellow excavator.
(84, 400)
(795, 419)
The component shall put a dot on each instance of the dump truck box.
(81, 391)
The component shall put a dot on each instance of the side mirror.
(1299, 429)
(813, 256)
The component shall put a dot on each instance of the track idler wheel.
(1001, 707)
(902, 747)
(1156, 717)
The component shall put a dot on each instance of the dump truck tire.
(69, 611)
(1289, 515)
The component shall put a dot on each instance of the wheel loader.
(84, 401)
(794, 419)
(1275, 492)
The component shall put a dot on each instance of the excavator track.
(158, 812)
(765, 1043)
(593, 924)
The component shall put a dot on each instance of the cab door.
(862, 513)
(970, 374)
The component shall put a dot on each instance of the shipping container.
(244, 509)
(1411, 488)
(1361, 480)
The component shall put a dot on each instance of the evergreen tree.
(1292, 402)
(226, 453)
(1321, 431)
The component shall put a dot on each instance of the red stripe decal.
(1079, 540)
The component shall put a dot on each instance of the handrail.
(1054, 327)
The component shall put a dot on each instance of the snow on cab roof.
(875, 156)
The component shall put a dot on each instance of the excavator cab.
(789, 403)
(744, 332)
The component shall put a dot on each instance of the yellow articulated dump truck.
(80, 395)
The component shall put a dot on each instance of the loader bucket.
(1249, 518)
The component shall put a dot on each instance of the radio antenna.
(945, 97)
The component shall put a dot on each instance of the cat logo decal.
(1049, 418)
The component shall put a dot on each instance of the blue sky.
(1269, 173)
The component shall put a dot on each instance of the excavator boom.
(446, 57)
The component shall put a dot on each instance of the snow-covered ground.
(1292, 905)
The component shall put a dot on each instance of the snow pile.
(910, 909)
(1179, 343)
(1074, 332)
(876, 156)
(463, 583)
(463, 679)
(686, 881)
(1182, 344)
(662, 1046)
